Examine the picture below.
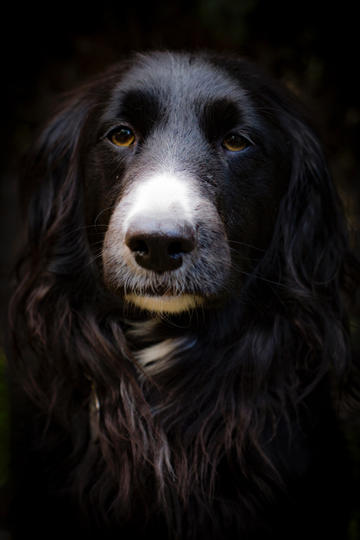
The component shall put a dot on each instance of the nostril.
(175, 249)
(180, 247)
(137, 245)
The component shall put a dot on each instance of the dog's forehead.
(180, 77)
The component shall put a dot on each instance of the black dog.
(179, 315)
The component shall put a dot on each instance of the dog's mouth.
(166, 302)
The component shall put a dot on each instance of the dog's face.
(185, 173)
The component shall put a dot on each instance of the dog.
(179, 320)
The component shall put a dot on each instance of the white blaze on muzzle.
(162, 204)
(165, 240)
(163, 195)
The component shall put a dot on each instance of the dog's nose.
(160, 246)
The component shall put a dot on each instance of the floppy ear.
(310, 251)
(311, 221)
(54, 245)
(51, 186)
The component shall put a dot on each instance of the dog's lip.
(165, 303)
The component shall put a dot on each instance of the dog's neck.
(153, 349)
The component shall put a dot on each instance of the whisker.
(240, 243)
(100, 213)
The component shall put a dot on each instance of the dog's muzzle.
(165, 247)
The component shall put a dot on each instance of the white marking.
(165, 304)
(141, 329)
(156, 358)
(162, 194)
(156, 352)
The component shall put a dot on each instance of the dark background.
(313, 47)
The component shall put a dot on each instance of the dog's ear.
(310, 241)
(52, 245)
(311, 223)
(50, 184)
(311, 250)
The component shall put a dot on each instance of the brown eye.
(235, 142)
(122, 136)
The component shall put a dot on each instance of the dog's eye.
(235, 142)
(122, 136)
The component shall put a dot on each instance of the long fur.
(203, 421)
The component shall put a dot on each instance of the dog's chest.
(153, 352)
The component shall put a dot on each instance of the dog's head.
(192, 173)
(185, 169)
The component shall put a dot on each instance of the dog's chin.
(165, 303)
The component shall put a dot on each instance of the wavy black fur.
(235, 437)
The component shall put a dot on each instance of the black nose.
(160, 246)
